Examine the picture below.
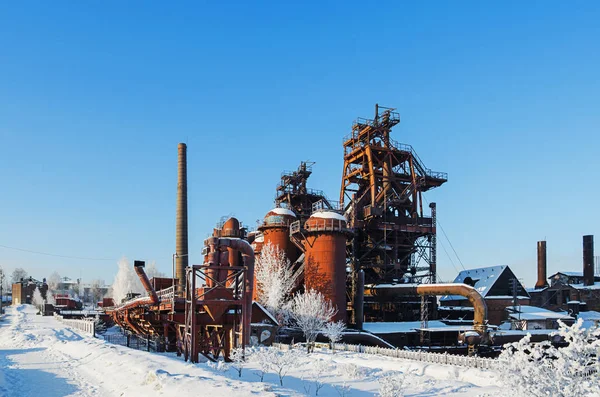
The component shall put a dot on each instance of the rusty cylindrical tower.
(276, 230)
(542, 281)
(181, 219)
(325, 266)
(588, 260)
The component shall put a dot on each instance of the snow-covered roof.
(596, 285)
(283, 211)
(325, 214)
(532, 313)
(589, 315)
(484, 278)
(268, 313)
(568, 274)
(394, 327)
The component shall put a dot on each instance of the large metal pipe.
(588, 260)
(542, 281)
(248, 256)
(181, 219)
(479, 305)
(139, 269)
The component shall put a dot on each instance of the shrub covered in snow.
(333, 331)
(541, 369)
(391, 385)
(312, 312)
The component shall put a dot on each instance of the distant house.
(567, 287)
(494, 284)
(532, 318)
(22, 291)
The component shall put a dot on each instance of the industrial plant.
(372, 254)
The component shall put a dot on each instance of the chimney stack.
(181, 219)
(588, 260)
(542, 281)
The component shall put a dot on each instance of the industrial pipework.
(479, 305)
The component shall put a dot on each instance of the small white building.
(532, 318)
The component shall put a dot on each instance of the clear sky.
(95, 96)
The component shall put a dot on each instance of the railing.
(166, 294)
(136, 342)
(405, 148)
(88, 325)
(434, 358)
(325, 224)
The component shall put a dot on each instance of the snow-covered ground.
(41, 356)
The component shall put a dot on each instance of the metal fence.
(88, 326)
(434, 358)
(135, 342)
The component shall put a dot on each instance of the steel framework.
(381, 194)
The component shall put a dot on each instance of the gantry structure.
(381, 195)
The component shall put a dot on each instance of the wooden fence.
(88, 326)
(434, 358)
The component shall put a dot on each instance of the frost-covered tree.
(274, 279)
(96, 291)
(152, 270)
(312, 312)
(541, 369)
(54, 281)
(126, 281)
(37, 298)
(50, 297)
(333, 331)
(18, 274)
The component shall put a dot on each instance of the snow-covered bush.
(333, 331)
(262, 357)
(126, 281)
(282, 361)
(37, 299)
(352, 371)
(238, 360)
(311, 311)
(319, 369)
(99, 325)
(390, 385)
(219, 366)
(541, 369)
(274, 280)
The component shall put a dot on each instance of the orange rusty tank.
(276, 230)
(325, 265)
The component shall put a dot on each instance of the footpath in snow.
(41, 356)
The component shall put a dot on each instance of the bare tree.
(54, 281)
(312, 312)
(96, 291)
(282, 361)
(274, 279)
(18, 274)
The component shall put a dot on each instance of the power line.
(56, 255)
(445, 235)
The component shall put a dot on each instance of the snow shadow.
(15, 381)
(68, 336)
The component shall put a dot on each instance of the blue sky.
(95, 96)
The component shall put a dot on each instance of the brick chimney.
(541, 266)
(588, 260)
